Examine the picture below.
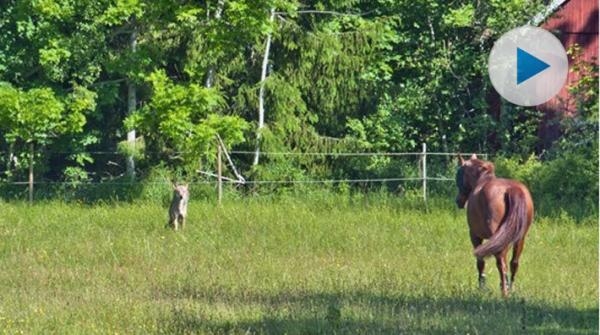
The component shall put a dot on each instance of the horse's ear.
(473, 156)
(461, 161)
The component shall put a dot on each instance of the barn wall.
(576, 21)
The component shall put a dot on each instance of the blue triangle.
(528, 65)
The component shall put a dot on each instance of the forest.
(127, 92)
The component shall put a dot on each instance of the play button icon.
(528, 66)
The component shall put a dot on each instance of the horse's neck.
(484, 178)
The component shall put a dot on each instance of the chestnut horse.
(499, 210)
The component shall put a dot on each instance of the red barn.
(573, 22)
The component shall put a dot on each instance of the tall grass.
(331, 264)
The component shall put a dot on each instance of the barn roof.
(546, 12)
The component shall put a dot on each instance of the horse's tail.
(513, 227)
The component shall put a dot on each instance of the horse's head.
(468, 175)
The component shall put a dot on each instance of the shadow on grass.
(367, 313)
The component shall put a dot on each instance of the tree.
(37, 116)
(181, 121)
(304, 75)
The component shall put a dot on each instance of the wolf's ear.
(461, 161)
(173, 184)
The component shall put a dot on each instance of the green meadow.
(328, 265)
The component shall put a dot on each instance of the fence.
(423, 177)
(222, 153)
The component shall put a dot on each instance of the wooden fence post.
(31, 160)
(424, 171)
(219, 173)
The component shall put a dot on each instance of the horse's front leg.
(502, 269)
(476, 241)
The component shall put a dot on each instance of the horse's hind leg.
(501, 264)
(480, 269)
(514, 262)
(476, 241)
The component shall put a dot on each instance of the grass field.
(324, 266)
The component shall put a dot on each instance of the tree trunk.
(261, 92)
(210, 75)
(131, 104)
(11, 157)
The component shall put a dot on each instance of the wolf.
(178, 208)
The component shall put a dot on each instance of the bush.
(526, 172)
(568, 182)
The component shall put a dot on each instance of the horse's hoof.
(482, 283)
(509, 286)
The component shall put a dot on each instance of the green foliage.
(38, 115)
(185, 119)
(584, 91)
(31, 116)
(460, 17)
(392, 128)
(567, 183)
(572, 182)
(75, 178)
(580, 131)
(341, 76)
(157, 187)
(505, 15)
(526, 171)
(133, 149)
(121, 11)
(518, 127)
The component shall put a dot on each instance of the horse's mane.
(485, 169)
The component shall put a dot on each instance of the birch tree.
(261, 92)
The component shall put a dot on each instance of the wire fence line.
(240, 180)
(233, 181)
(274, 153)
(348, 153)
